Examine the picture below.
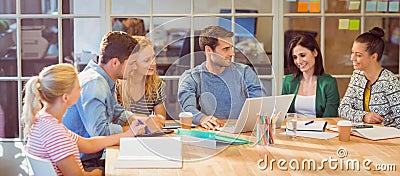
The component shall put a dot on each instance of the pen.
(310, 122)
(145, 128)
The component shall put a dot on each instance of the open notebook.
(375, 133)
(316, 126)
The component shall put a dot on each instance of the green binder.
(212, 136)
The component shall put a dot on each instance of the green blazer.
(327, 96)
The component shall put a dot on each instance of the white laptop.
(282, 104)
(247, 118)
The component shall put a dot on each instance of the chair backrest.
(41, 166)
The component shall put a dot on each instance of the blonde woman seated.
(47, 97)
(373, 94)
(143, 91)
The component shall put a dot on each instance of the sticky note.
(370, 6)
(315, 1)
(343, 24)
(354, 25)
(354, 5)
(302, 7)
(382, 6)
(393, 6)
(315, 6)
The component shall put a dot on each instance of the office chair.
(41, 166)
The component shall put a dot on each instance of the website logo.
(333, 163)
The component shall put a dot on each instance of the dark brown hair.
(117, 44)
(374, 41)
(210, 35)
(306, 41)
(136, 27)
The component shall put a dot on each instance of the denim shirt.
(206, 94)
(97, 112)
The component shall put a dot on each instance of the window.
(39, 33)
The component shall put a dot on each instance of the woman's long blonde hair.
(53, 81)
(152, 82)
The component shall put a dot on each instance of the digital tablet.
(174, 125)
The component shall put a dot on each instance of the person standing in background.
(132, 26)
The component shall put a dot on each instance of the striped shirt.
(51, 140)
(145, 106)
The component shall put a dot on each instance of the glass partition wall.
(37, 33)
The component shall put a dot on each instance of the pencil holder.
(265, 134)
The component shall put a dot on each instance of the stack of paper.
(315, 135)
(150, 152)
(317, 126)
(311, 129)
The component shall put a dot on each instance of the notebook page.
(378, 133)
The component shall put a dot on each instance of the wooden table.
(244, 160)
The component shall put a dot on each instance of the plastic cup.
(344, 128)
(186, 120)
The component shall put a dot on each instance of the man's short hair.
(117, 44)
(210, 35)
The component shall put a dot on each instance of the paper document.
(375, 133)
(316, 126)
(154, 152)
(315, 135)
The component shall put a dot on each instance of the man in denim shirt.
(97, 112)
(217, 88)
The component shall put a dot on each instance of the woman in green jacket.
(316, 93)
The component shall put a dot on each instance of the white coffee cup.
(186, 120)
